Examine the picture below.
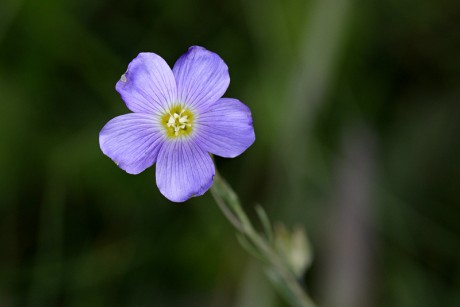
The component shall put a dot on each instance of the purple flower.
(179, 118)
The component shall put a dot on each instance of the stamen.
(178, 121)
(171, 121)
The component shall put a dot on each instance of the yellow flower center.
(177, 122)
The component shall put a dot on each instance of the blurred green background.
(357, 118)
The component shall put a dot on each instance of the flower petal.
(225, 129)
(148, 86)
(201, 77)
(132, 141)
(183, 170)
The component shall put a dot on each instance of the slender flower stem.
(281, 275)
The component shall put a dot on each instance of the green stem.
(229, 203)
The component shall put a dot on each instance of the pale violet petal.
(148, 86)
(201, 77)
(225, 128)
(132, 141)
(183, 170)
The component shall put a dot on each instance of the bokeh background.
(357, 118)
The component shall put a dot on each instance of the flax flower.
(179, 118)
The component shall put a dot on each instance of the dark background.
(357, 118)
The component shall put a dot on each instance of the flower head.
(178, 119)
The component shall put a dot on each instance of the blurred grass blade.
(267, 226)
